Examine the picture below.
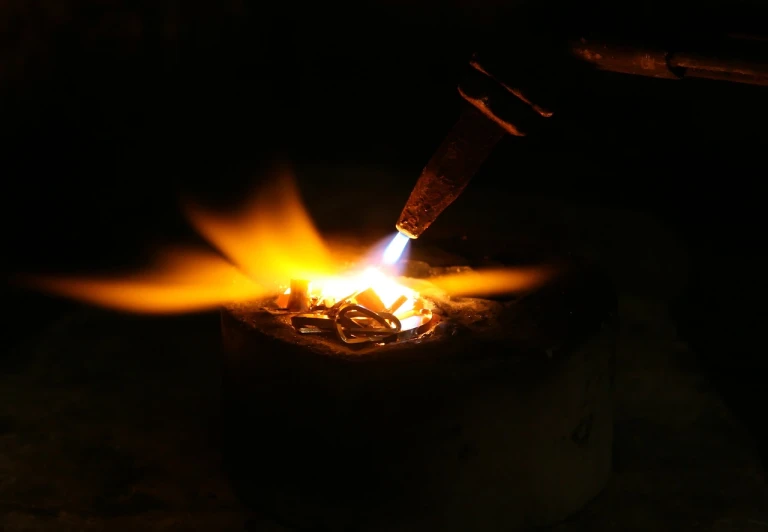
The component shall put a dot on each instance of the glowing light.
(395, 248)
(181, 281)
(265, 245)
(492, 282)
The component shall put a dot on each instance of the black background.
(110, 112)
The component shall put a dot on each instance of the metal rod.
(732, 62)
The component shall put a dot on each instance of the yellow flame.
(183, 281)
(268, 243)
(386, 288)
(491, 282)
(271, 238)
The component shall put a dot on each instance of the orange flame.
(491, 282)
(387, 289)
(269, 242)
(182, 281)
(271, 238)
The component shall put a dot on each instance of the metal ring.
(351, 332)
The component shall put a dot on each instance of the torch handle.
(737, 59)
(449, 171)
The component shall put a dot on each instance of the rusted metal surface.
(514, 107)
(736, 70)
(738, 60)
(519, 92)
(299, 298)
(507, 106)
(624, 59)
(455, 162)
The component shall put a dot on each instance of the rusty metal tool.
(519, 104)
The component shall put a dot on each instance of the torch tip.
(405, 232)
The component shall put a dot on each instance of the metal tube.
(449, 171)
(748, 66)
(727, 69)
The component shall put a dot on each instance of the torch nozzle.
(446, 175)
(405, 232)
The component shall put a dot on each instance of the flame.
(395, 249)
(266, 244)
(491, 282)
(182, 281)
(270, 238)
(385, 287)
(374, 290)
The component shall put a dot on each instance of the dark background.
(112, 110)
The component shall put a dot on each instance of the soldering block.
(500, 418)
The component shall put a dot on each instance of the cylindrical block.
(500, 418)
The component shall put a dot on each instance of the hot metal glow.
(379, 305)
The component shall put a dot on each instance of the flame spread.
(268, 243)
(491, 282)
(271, 238)
(181, 282)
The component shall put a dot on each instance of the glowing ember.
(327, 292)
(262, 247)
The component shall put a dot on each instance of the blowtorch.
(512, 97)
